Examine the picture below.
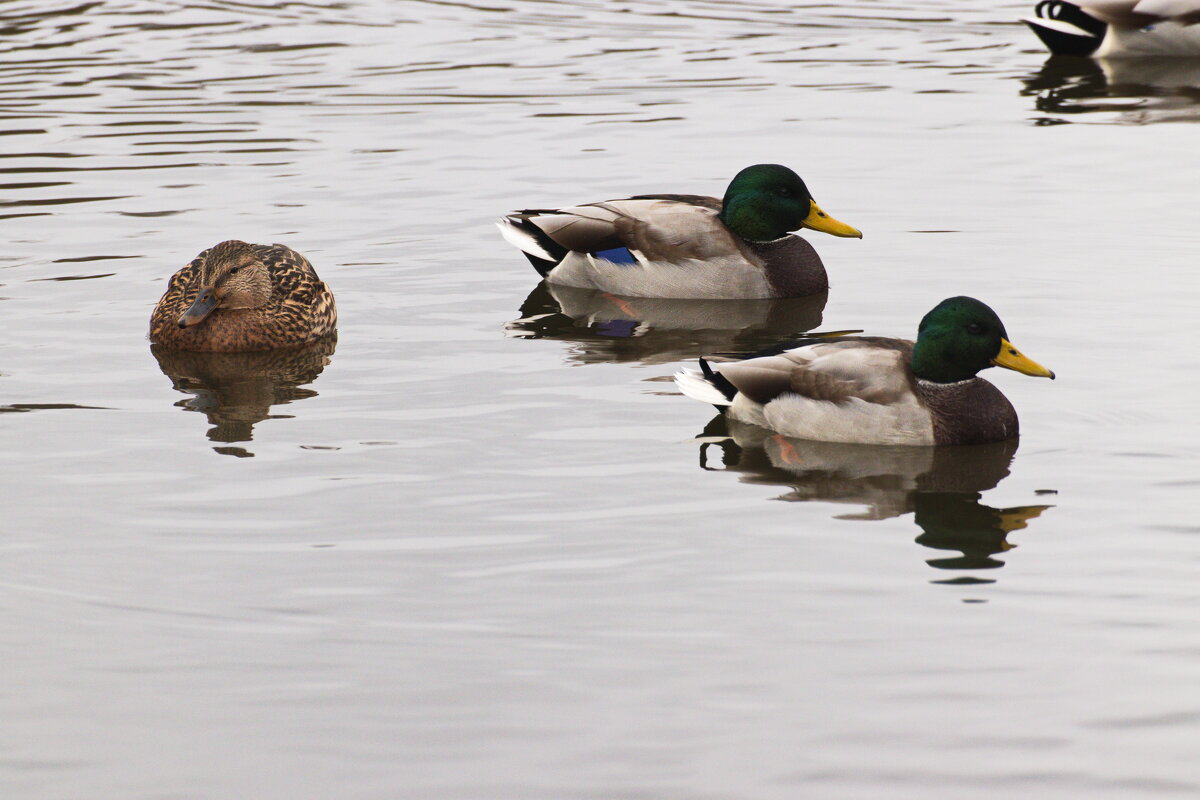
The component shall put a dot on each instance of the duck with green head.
(873, 390)
(685, 246)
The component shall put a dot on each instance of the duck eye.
(234, 270)
(783, 191)
(974, 328)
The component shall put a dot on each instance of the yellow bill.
(818, 220)
(1012, 358)
(1014, 519)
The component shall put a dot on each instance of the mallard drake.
(238, 297)
(872, 390)
(1118, 28)
(685, 246)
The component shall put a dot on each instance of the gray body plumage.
(681, 249)
(859, 390)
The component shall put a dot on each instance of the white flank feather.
(718, 278)
(1058, 26)
(693, 384)
(852, 420)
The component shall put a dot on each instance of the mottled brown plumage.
(238, 297)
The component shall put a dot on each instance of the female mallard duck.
(871, 390)
(1118, 28)
(237, 297)
(682, 245)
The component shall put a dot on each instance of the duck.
(236, 297)
(685, 246)
(1118, 28)
(876, 390)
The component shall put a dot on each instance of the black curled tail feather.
(1090, 31)
(718, 380)
(1069, 12)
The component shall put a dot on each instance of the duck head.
(962, 336)
(233, 277)
(766, 201)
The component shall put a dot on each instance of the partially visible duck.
(872, 390)
(685, 246)
(1118, 28)
(239, 297)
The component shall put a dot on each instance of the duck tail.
(1066, 29)
(519, 230)
(706, 385)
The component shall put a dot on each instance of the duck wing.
(855, 390)
(666, 228)
(1135, 13)
(305, 303)
(874, 370)
(703, 201)
(1185, 12)
(290, 272)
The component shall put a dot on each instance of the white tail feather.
(522, 240)
(693, 384)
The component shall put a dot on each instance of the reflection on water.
(1137, 90)
(608, 328)
(502, 596)
(940, 486)
(237, 390)
(958, 521)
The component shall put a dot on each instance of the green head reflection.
(941, 487)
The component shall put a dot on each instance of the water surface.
(483, 549)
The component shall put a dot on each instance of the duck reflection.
(1139, 90)
(940, 486)
(237, 390)
(607, 328)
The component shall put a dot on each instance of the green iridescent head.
(962, 336)
(767, 201)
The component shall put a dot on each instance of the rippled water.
(484, 549)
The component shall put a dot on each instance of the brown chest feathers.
(968, 412)
(792, 266)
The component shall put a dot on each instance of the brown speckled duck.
(237, 297)
(871, 390)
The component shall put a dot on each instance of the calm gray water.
(483, 550)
